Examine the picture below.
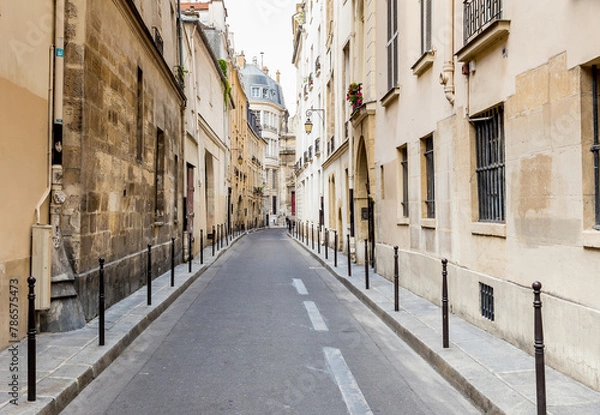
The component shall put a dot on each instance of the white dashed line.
(315, 317)
(300, 286)
(353, 397)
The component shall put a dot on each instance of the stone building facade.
(476, 140)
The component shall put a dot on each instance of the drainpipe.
(50, 125)
(447, 75)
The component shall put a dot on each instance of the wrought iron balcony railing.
(477, 15)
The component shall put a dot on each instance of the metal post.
(149, 275)
(366, 265)
(217, 236)
(335, 243)
(396, 285)
(31, 363)
(214, 236)
(319, 239)
(312, 235)
(349, 259)
(101, 304)
(540, 370)
(190, 255)
(172, 262)
(445, 340)
(326, 238)
(227, 230)
(201, 246)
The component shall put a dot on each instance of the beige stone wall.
(548, 164)
(24, 84)
(111, 207)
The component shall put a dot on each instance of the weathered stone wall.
(112, 199)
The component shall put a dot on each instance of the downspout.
(447, 75)
(50, 124)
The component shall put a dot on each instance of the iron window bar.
(477, 15)
(596, 147)
(429, 165)
(486, 295)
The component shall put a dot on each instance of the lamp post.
(308, 125)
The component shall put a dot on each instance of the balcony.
(317, 147)
(483, 27)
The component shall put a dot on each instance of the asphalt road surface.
(267, 330)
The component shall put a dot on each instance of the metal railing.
(477, 14)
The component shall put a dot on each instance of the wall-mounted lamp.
(240, 160)
(308, 125)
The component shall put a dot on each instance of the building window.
(159, 175)
(274, 205)
(486, 296)
(255, 92)
(425, 26)
(489, 147)
(596, 148)
(382, 182)
(428, 176)
(392, 43)
(175, 188)
(403, 160)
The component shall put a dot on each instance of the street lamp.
(308, 125)
(240, 160)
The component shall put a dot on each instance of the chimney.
(278, 76)
(266, 70)
(241, 60)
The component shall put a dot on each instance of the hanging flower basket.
(354, 95)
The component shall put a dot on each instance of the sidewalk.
(68, 362)
(498, 377)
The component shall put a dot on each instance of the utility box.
(41, 264)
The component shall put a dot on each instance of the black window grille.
(489, 137)
(477, 14)
(317, 146)
(430, 177)
(596, 147)
(486, 294)
(404, 172)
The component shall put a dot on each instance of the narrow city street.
(271, 333)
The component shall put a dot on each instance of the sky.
(266, 26)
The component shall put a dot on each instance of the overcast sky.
(266, 26)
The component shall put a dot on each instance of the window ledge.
(402, 221)
(158, 223)
(429, 223)
(591, 239)
(488, 229)
(496, 31)
(391, 96)
(423, 63)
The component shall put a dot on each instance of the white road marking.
(300, 286)
(315, 317)
(353, 397)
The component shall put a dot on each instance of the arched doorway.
(364, 202)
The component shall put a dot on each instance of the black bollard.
(326, 237)
(227, 232)
(312, 235)
(101, 304)
(190, 253)
(396, 285)
(319, 239)
(31, 363)
(540, 370)
(201, 246)
(366, 265)
(149, 276)
(335, 242)
(172, 262)
(213, 240)
(218, 236)
(349, 259)
(445, 340)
